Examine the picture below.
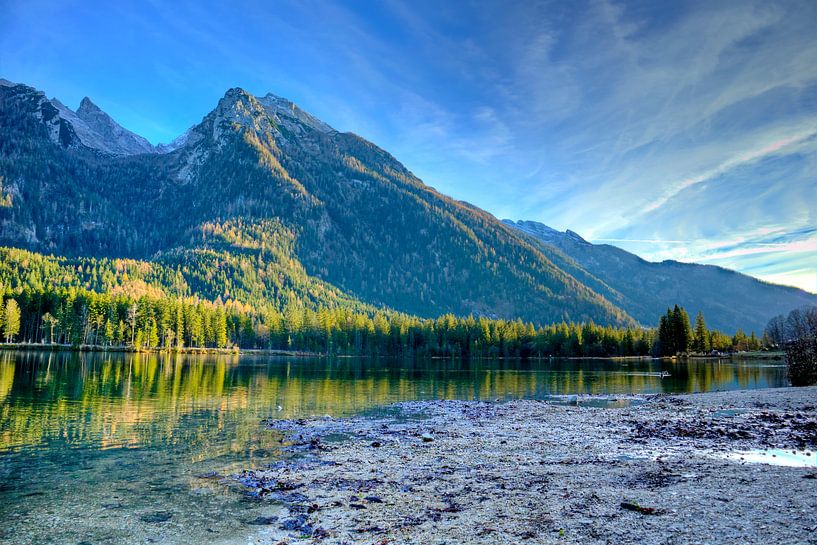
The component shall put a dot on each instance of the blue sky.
(676, 130)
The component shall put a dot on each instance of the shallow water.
(121, 448)
(775, 457)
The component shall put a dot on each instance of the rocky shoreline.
(661, 469)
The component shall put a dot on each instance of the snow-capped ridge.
(575, 236)
(238, 107)
(39, 107)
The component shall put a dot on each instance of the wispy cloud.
(770, 253)
(676, 188)
(800, 246)
(688, 123)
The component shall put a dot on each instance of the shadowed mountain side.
(269, 178)
(728, 299)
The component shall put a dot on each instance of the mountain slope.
(354, 216)
(729, 300)
(91, 127)
(97, 130)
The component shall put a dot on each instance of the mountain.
(90, 126)
(282, 198)
(643, 289)
(97, 130)
(262, 203)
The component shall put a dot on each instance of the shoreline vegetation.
(57, 347)
(61, 347)
(661, 469)
(149, 323)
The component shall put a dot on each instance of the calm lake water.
(122, 448)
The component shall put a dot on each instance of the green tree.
(194, 324)
(700, 341)
(11, 319)
(681, 330)
(153, 334)
(665, 342)
(179, 326)
(221, 328)
(133, 314)
(740, 342)
(50, 321)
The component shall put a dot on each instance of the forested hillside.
(328, 206)
(138, 305)
(264, 205)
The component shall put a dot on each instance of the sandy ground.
(454, 472)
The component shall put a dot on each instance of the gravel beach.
(646, 469)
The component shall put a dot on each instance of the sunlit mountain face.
(263, 203)
(256, 284)
(679, 131)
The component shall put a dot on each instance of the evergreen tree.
(179, 326)
(666, 340)
(701, 336)
(740, 342)
(153, 333)
(681, 330)
(221, 328)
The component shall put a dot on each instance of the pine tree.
(194, 325)
(153, 334)
(740, 342)
(179, 325)
(221, 328)
(754, 343)
(680, 330)
(109, 332)
(701, 336)
(132, 315)
(665, 341)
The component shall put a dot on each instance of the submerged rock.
(297, 524)
(263, 521)
(156, 517)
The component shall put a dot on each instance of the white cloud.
(673, 189)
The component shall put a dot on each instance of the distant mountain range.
(263, 203)
(643, 289)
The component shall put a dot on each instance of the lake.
(122, 448)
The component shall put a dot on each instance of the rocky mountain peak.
(36, 105)
(237, 109)
(98, 130)
(346, 211)
(534, 228)
(87, 107)
(288, 111)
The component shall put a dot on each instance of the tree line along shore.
(80, 319)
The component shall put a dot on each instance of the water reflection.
(130, 400)
(92, 444)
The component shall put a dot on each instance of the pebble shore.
(662, 469)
